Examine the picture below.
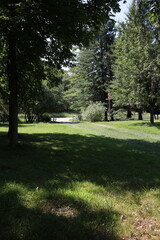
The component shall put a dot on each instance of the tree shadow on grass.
(93, 158)
(55, 222)
(55, 161)
(156, 124)
(134, 164)
(3, 124)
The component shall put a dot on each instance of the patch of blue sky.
(121, 16)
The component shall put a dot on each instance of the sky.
(124, 9)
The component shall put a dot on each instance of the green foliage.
(51, 100)
(4, 116)
(33, 31)
(48, 30)
(154, 11)
(72, 92)
(120, 114)
(137, 65)
(95, 112)
(43, 100)
(45, 117)
(90, 79)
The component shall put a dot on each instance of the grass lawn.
(84, 181)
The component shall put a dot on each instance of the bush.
(120, 114)
(94, 112)
(4, 117)
(45, 117)
(4, 114)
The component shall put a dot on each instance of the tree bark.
(129, 113)
(112, 117)
(106, 106)
(106, 115)
(152, 116)
(13, 80)
(140, 115)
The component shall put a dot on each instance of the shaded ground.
(34, 202)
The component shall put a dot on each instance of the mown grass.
(81, 181)
(138, 126)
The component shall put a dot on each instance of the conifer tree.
(137, 65)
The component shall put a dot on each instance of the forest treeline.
(121, 68)
(117, 65)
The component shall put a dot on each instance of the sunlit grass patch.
(80, 181)
(143, 126)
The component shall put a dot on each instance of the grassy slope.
(81, 181)
(142, 126)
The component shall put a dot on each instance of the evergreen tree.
(137, 68)
(93, 73)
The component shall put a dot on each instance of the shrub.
(45, 117)
(94, 112)
(4, 117)
(121, 114)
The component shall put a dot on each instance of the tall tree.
(45, 29)
(137, 61)
(93, 72)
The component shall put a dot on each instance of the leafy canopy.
(48, 28)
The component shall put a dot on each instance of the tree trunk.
(152, 117)
(140, 115)
(129, 113)
(106, 115)
(112, 117)
(111, 111)
(13, 105)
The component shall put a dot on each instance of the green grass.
(142, 126)
(81, 181)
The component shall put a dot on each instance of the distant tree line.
(124, 63)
